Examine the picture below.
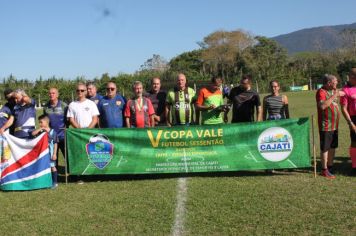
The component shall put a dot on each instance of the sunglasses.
(81, 90)
(110, 89)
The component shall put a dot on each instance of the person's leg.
(353, 154)
(61, 147)
(352, 150)
(331, 155)
(324, 160)
(325, 152)
(54, 176)
(353, 145)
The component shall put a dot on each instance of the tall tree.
(156, 63)
(221, 48)
(269, 58)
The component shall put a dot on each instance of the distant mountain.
(324, 38)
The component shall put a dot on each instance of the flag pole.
(313, 140)
(65, 156)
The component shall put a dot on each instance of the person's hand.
(340, 93)
(225, 118)
(2, 130)
(54, 157)
(157, 118)
(211, 107)
(352, 127)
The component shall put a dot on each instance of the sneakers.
(54, 186)
(271, 171)
(326, 173)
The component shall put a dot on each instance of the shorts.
(328, 140)
(352, 133)
(275, 117)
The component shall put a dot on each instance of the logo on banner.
(275, 144)
(100, 151)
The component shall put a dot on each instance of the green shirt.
(207, 98)
(181, 105)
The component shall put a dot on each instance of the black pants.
(61, 146)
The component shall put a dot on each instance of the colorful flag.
(25, 164)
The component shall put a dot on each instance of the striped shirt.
(275, 106)
(181, 102)
(328, 119)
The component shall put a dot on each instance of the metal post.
(65, 156)
(313, 141)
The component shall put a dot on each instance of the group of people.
(329, 116)
(180, 106)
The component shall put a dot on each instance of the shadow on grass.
(135, 177)
(341, 167)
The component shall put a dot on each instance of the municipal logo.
(275, 144)
(100, 151)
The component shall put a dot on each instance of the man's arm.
(36, 132)
(286, 107)
(264, 116)
(347, 117)
(27, 99)
(326, 103)
(192, 116)
(93, 122)
(54, 156)
(152, 117)
(8, 123)
(259, 113)
(166, 113)
(127, 120)
(73, 123)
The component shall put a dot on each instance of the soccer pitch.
(230, 203)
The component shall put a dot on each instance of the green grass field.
(241, 203)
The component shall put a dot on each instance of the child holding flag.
(43, 121)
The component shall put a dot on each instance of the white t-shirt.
(83, 112)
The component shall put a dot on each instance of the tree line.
(229, 54)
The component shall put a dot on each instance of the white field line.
(178, 227)
(253, 157)
(86, 169)
(119, 162)
(185, 161)
(292, 163)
